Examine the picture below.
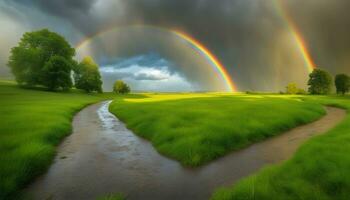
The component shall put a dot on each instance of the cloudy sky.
(249, 37)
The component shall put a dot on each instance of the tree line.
(321, 83)
(45, 58)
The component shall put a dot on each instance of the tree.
(120, 87)
(342, 83)
(320, 82)
(87, 76)
(35, 49)
(292, 88)
(57, 73)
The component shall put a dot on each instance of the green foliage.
(120, 87)
(35, 49)
(318, 170)
(292, 88)
(197, 130)
(87, 76)
(32, 124)
(57, 73)
(320, 82)
(301, 91)
(342, 83)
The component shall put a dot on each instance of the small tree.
(292, 88)
(120, 87)
(57, 73)
(87, 76)
(320, 82)
(342, 83)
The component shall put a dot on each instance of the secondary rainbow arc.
(198, 46)
(296, 34)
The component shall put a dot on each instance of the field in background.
(32, 123)
(197, 128)
(318, 170)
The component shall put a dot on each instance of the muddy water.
(102, 157)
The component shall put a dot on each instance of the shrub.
(120, 87)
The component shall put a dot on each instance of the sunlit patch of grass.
(32, 123)
(197, 128)
(318, 170)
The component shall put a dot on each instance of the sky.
(253, 39)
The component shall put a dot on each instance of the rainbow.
(199, 47)
(297, 36)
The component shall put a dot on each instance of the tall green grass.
(32, 123)
(198, 128)
(320, 169)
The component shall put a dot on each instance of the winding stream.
(102, 157)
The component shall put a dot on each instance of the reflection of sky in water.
(107, 119)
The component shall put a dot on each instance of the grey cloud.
(152, 77)
(246, 35)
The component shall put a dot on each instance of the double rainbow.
(199, 47)
(213, 60)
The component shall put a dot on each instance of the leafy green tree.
(342, 83)
(320, 82)
(57, 73)
(292, 88)
(87, 76)
(35, 49)
(120, 87)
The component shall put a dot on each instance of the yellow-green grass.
(320, 169)
(197, 128)
(32, 123)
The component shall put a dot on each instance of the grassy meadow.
(32, 123)
(191, 128)
(197, 128)
(318, 170)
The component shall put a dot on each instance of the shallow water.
(102, 157)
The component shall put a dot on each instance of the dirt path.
(103, 157)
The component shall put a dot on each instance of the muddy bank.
(103, 157)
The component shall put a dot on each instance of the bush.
(292, 88)
(120, 87)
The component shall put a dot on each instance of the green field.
(191, 128)
(319, 169)
(32, 123)
(197, 128)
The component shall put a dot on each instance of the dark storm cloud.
(61, 8)
(246, 35)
